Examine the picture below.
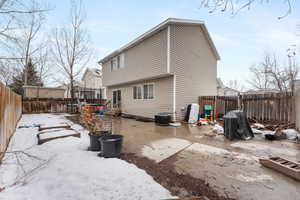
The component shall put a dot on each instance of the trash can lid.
(164, 114)
(230, 115)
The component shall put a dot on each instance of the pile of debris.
(272, 126)
(276, 131)
(269, 131)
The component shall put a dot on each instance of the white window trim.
(151, 83)
(120, 64)
(111, 64)
(122, 61)
(142, 92)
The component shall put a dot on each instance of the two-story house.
(90, 86)
(163, 70)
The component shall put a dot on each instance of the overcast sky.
(241, 40)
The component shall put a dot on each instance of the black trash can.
(230, 125)
(236, 126)
(162, 119)
(95, 144)
(111, 146)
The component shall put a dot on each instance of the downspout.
(174, 98)
(169, 70)
(168, 49)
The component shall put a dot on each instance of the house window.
(137, 92)
(149, 91)
(122, 60)
(113, 64)
(117, 62)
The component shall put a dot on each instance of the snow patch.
(209, 150)
(206, 149)
(258, 178)
(66, 170)
(265, 148)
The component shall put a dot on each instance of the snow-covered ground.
(64, 169)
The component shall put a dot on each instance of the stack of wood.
(95, 122)
(86, 114)
(281, 126)
(272, 126)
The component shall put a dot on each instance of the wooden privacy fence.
(269, 107)
(10, 113)
(43, 105)
(265, 107)
(222, 104)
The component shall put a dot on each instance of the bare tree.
(270, 74)
(43, 63)
(234, 6)
(27, 43)
(236, 85)
(7, 71)
(261, 80)
(71, 49)
(14, 15)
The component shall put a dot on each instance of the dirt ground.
(193, 161)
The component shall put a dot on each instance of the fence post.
(215, 107)
(240, 103)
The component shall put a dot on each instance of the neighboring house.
(222, 90)
(227, 91)
(43, 92)
(90, 86)
(77, 86)
(163, 70)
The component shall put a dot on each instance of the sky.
(241, 40)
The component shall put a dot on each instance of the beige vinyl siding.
(193, 63)
(146, 59)
(92, 81)
(162, 101)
